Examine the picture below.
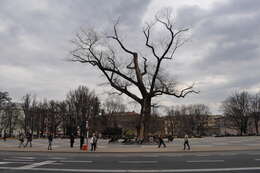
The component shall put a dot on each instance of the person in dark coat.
(72, 140)
(161, 142)
(81, 141)
(50, 139)
(21, 139)
(5, 136)
(29, 139)
(186, 142)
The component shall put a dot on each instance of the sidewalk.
(197, 145)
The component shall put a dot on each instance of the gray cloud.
(226, 42)
(35, 41)
(223, 54)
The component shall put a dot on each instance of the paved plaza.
(197, 144)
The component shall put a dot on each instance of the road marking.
(204, 161)
(58, 158)
(77, 161)
(150, 156)
(173, 155)
(133, 170)
(257, 159)
(29, 158)
(202, 155)
(138, 161)
(36, 165)
(19, 160)
(227, 154)
(2, 163)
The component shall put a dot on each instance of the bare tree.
(198, 117)
(10, 115)
(65, 117)
(111, 106)
(237, 110)
(10, 118)
(128, 71)
(42, 118)
(83, 105)
(191, 119)
(255, 110)
(31, 113)
(26, 105)
(4, 97)
(54, 116)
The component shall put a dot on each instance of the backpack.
(94, 139)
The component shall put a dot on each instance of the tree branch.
(115, 37)
(146, 32)
(170, 91)
(145, 66)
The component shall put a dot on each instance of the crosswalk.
(62, 164)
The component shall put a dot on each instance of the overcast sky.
(221, 57)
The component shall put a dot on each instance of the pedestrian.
(170, 138)
(5, 136)
(81, 141)
(186, 142)
(50, 138)
(161, 142)
(72, 140)
(29, 139)
(93, 142)
(21, 139)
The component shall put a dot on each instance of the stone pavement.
(197, 144)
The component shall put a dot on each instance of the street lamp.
(87, 131)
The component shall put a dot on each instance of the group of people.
(93, 141)
(21, 138)
(28, 136)
(185, 143)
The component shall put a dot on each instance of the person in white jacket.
(186, 142)
(93, 142)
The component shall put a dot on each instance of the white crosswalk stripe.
(141, 161)
(18, 160)
(204, 161)
(3, 163)
(36, 164)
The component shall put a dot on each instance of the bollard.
(85, 147)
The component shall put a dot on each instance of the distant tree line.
(188, 119)
(9, 115)
(80, 106)
(68, 116)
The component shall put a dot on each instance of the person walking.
(186, 142)
(93, 142)
(21, 139)
(161, 142)
(29, 139)
(50, 138)
(72, 140)
(5, 136)
(81, 141)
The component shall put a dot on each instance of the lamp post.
(87, 132)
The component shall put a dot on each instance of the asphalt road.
(228, 161)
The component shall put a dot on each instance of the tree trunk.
(145, 118)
